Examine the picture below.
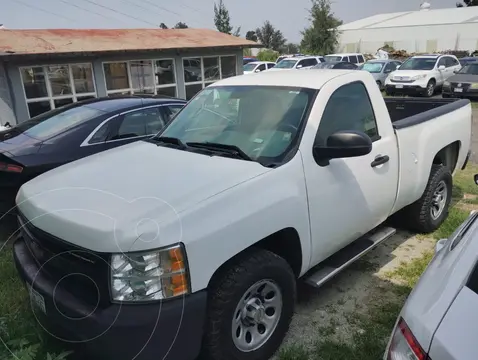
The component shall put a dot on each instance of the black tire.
(389, 93)
(431, 87)
(227, 290)
(417, 216)
(379, 84)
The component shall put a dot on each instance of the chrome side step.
(337, 262)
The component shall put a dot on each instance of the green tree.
(270, 37)
(251, 35)
(222, 20)
(181, 25)
(322, 36)
(163, 26)
(467, 3)
(290, 48)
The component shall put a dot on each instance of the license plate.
(36, 299)
(399, 86)
(458, 90)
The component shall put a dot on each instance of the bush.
(267, 55)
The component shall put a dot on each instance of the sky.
(289, 16)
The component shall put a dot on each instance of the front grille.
(81, 272)
(463, 86)
(401, 81)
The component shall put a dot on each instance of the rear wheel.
(250, 308)
(430, 211)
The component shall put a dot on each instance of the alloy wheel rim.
(439, 200)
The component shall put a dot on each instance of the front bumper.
(405, 89)
(465, 93)
(166, 330)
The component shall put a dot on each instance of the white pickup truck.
(193, 240)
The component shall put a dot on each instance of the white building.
(425, 30)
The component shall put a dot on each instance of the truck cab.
(258, 181)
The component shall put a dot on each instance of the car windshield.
(418, 64)
(332, 58)
(264, 122)
(471, 69)
(372, 67)
(286, 64)
(249, 67)
(54, 122)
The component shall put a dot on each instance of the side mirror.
(440, 245)
(476, 179)
(441, 67)
(398, 67)
(298, 66)
(257, 70)
(455, 71)
(342, 144)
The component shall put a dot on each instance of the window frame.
(351, 58)
(374, 138)
(131, 90)
(50, 97)
(86, 141)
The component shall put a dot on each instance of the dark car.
(463, 84)
(468, 60)
(343, 65)
(75, 131)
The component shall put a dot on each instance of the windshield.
(286, 64)
(54, 122)
(249, 67)
(471, 69)
(333, 58)
(372, 67)
(264, 122)
(418, 64)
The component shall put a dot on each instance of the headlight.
(149, 276)
(446, 83)
(474, 86)
(418, 77)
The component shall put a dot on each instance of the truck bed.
(406, 112)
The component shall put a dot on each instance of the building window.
(199, 72)
(141, 77)
(52, 86)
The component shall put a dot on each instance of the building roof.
(462, 15)
(307, 78)
(57, 41)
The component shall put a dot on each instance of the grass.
(372, 331)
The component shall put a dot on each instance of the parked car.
(75, 131)
(247, 60)
(282, 57)
(341, 65)
(297, 63)
(422, 75)
(463, 84)
(380, 69)
(467, 60)
(257, 66)
(439, 318)
(206, 226)
(355, 58)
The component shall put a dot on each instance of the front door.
(349, 196)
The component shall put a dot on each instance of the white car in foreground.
(422, 75)
(439, 321)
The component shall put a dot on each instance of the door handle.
(379, 160)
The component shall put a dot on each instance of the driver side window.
(358, 115)
(261, 67)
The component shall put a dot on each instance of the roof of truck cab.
(308, 78)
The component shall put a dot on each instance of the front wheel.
(430, 90)
(250, 308)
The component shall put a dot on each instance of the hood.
(279, 69)
(14, 144)
(408, 74)
(114, 200)
(463, 78)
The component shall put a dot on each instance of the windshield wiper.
(168, 140)
(225, 148)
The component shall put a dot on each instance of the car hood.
(464, 78)
(114, 200)
(280, 69)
